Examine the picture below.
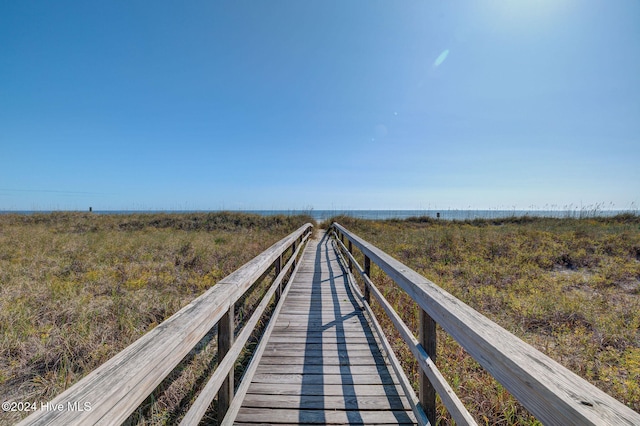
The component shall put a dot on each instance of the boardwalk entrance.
(323, 363)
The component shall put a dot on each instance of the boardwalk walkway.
(323, 363)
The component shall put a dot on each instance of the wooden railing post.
(293, 251)
(367, 272)
(427, 392)
(351, 252)
(225, 341)
(278, 269)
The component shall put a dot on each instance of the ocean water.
(322, 215)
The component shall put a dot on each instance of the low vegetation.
(569, 287)
(75, 289)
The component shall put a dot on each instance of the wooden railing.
(552, 393)
(116, 389)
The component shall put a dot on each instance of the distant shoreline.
(322, 215)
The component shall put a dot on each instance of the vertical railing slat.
(427, 338)
(225, 341)
(278, 268)
(293, 251)
(367, 272)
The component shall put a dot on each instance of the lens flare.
(440, 59)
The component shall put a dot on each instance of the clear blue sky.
(319, 104)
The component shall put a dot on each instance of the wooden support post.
(225, 341)
(367, 272)
(351, 252)
(278, 269)
(293, 252)
(427, 392)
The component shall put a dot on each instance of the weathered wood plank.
(330, 340)
(297, 424)
(304, 328)
(327, 296)
(325, 314)
(275, 416)
(330, 379)
(317, 326)
(329, 332)
(323, 402)
(325, 331)
(324, 347)
(322, 272)
(323, 297)
(302, 350)
(318, 320)
(325, 303)
(362, 350)
(329, 286)
(325, 389)
(352, 338)
(323, 360)
(315, 354)
(347, 320)
(310, 369)
(317, 330)
(326, 306)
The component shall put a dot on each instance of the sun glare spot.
(440, 59)
(526, 16)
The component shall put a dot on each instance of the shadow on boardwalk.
(312, 378)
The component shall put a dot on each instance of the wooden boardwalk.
(323, 363)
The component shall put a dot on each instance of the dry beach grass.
(76, 288)
(569, 287)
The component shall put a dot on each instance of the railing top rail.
(548, 390)
(117, 387)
